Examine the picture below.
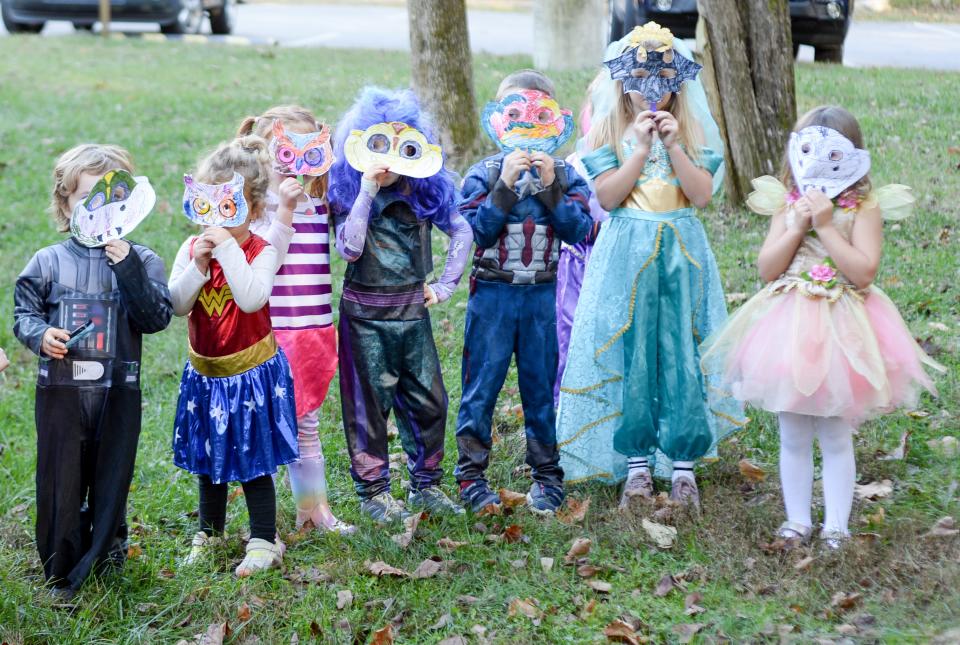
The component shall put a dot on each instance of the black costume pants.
(86, 447)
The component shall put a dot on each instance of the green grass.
(169, 103)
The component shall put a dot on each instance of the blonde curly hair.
(91, 158)
(248, 155)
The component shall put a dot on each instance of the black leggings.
(261, 506)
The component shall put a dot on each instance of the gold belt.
(238, 362)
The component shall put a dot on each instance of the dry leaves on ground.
(428, 568)
(383, 636)
(691, 604)
(528, 607)
(685, 633)
(874, 490)
(381, 568)
(574, 511)
(666, 584)
(662, 535)
(442, 622)
(842, 601)
(579, 548)
(600, 586)
(244, 613)
(410, 524)
(311, 576)
(752, 472)
(900, 452)
(945, 527)
(447, 544)
(620, 632)
(344, 599)
(512, 499)
(804, 563)
(214, 635)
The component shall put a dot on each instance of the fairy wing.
(769, 195)
(896, 201)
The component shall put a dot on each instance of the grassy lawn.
(169, 103)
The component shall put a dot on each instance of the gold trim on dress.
(580, 480)
(590, 426)
(727, 417)
(591, 388)
(656, 195)
(238, 362)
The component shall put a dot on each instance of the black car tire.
(829, 54)
(225, 19)
(83, 26)
(189, 19)
(15, 27)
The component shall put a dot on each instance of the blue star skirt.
(236, 428)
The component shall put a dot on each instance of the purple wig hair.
(430, 198)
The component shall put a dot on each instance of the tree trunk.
(443, 71)
(751, 87)
(568, 34)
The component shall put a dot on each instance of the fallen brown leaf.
(588, 608)
(804, 564)
(845, 601)
(308, 577)
(383, 636)
(442, 622)
(234, 494)
(588, 570)
(512, 499)
(490, 509)
(519, 564)
(752, 472)
(574, 511)
(661, 534)
(527, 607)
(380, 569)
(874, 490)
(344, 599)
(943, 528)
(450, 545)
(600, 586)
(620, 632)
(215, 634)
(687, 632)
(691, 606)
(467, 600)
(580, 547)
(427, 569)
(243, 613)
(134, 551)
(900, 452)
(410, 524)
(512, 534)
(666, 585)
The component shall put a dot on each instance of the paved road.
(934, 46)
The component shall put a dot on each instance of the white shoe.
(199, 547)
(261, 555)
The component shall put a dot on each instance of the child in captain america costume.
(521, 205)
(388, 360)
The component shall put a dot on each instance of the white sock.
(839, 472)
(796, 465)
(636, 465)
(682, 468)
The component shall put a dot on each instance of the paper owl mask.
(404, 149)
(114, 207)
(823, 159)
(650, 66)
(215, 204)
(301, 154)
(529, 120)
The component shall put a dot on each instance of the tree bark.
(748, 73)
(568, 34)
(443, 71)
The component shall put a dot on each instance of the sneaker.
(384, 508)
(685, 491)
(545, 500)
(433, 500)
(477, 495)
(261, 555)
(199, 547)
(640, 484)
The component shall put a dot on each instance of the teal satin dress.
(651, 293)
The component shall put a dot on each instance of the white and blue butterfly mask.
(215, 204)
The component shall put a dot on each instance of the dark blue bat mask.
(652, 74)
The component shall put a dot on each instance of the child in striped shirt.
(300, 303)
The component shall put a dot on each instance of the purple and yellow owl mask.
(114, 207)
(650, 66)
(529, 120)
(215, 204)
(296, 154)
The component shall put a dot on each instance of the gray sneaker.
(685, 491)
(384, 508)
(433, 500)
(639, 485)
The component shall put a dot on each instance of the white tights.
(796, 468)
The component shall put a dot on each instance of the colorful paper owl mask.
(215, 204)
(529, 120)
(823, 159)
(114, 207)
(296, 154)
(404, 149)
(650, 66)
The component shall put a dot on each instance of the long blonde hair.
(92, 158)
(249, 156)
(262, 126)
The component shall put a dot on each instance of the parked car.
(174, 16)
(822, 24)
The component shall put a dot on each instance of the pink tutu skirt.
(854, 358)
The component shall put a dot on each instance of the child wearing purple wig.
(388, 360)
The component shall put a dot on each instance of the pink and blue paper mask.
(527, 120)
(297, 154)
(215, 204)
(652, 73)
(117, 203)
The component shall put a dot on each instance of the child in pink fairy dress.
(820, 345)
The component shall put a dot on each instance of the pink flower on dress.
(822, 273)
(793, 196)
(849, 200)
